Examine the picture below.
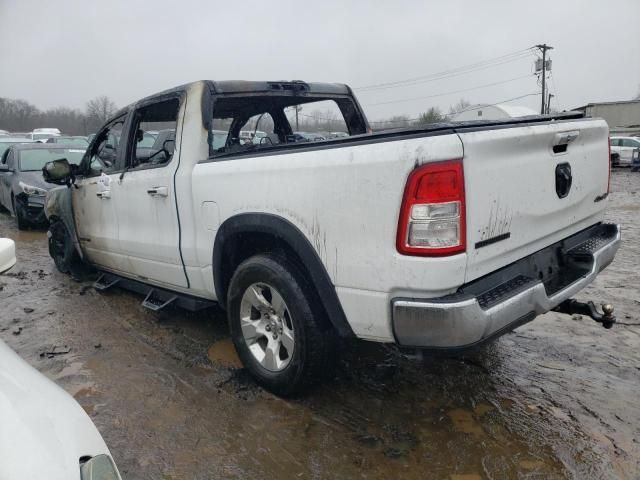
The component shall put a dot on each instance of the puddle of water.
(224, 353)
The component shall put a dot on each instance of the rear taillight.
(432, 216)
(609, 180)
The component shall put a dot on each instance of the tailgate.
(517, 200)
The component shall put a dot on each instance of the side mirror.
(60, 172)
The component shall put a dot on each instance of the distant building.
(492, 112)
(623, 117)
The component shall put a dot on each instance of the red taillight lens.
(432, 216)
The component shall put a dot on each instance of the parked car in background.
(625, 148)
(635, 161)
(44, 432)
(152, 151)
(4, 133)
(21, 135)
(66, 140)
(420, 237)
(22, 188)
(6, 142)
(7, 255)
(339, 134)
(42, 134)
(311, 136)
(49, 131)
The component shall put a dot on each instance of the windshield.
(34, 160)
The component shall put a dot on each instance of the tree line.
(22, 116)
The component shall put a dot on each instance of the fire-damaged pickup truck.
(437, 237)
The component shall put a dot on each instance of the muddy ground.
(557, 398)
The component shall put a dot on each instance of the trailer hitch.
(571, 306)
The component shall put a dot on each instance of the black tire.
(62, 250)
(315, 351)
(22, 222)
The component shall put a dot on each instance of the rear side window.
(154, 134)
(243, 124)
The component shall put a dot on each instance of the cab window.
(104, 154)
(153, 134)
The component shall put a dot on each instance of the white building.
(492, 112)
(623, 117)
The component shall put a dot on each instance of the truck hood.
(44, 431)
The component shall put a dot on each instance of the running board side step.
(155, 298)
(105, 281)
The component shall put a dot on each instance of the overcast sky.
(64, 52)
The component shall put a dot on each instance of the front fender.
(58, 206)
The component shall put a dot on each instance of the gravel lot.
(557, 398)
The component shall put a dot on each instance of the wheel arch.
(59, 207)
(247, 234)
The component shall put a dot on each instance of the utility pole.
(549, 97)
(544, 47)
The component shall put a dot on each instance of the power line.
(477, 107)
(451, 92)
(510, 57)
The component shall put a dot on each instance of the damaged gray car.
(22, 188)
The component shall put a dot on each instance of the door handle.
(105, 194)
(158, 191)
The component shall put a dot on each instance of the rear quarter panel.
(346, 202)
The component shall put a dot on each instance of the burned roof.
(278, 86)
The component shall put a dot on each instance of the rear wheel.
(63, 251)
(278, 331)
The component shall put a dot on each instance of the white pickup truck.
(439, 237)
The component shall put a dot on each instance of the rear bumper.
(503, 300)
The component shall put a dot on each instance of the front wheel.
(276, 326)
(63, 251)
(22, 222)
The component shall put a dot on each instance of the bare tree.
(100, 109)
(462, 105)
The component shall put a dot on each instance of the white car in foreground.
(7, 254)
(44, 433)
